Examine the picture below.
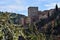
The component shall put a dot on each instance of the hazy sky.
(21, 6)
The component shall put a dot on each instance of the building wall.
(23, 21)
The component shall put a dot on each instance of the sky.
(21, 6)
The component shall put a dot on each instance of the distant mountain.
(14, 17)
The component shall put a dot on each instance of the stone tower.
(33, 13)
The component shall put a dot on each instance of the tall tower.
(32, 11)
